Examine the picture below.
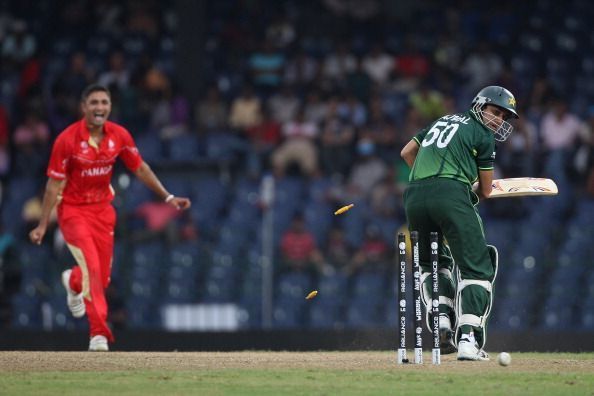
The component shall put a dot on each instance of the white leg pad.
(426, 295)
(474, 320)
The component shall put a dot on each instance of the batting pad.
(475, 321)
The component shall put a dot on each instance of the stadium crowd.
(321, 96)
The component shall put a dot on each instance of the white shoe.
(469, 350)
(75, 302)
(98, 344)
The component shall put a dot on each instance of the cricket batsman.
(446, 159)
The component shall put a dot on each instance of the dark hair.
(93, 88)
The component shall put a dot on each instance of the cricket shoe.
(98, 343)
(469, 350)
(75, 302)
(446, 335)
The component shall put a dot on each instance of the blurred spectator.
(31, 139)
(281, 32)
(447, 54)
(352, 110)
(381, 131)
(338, 252)
(31, 214)
(157, 221)
(385, 199)
(301, 70)
(338, 64)
(4, 147)
(108, 16)
(410, 62)
(266, 67)
(299, 251)
(517, 156)
(315, 107)
(481, 67)
(357, 9)
(359, 83)
(117, 73)
(366, 172)
(211, 112)
(298, 147)
(18, 46)
(378, 64)
(540, 96)
(245, 109)
(561, 132)
(142, 18)
(372, 256)
(413, 123)
(171, 114)
(583, 161)
(74, 79)
(263, 138)
(155, 80)
(284, 104)
(428, 102)
(11, 274)
(336, 141)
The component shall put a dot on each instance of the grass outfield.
(288, 373)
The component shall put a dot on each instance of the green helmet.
(500, 97)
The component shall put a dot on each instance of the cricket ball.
(504, 359)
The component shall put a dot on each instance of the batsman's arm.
(146, 175)
(485, 185)
(53, 188)
(409, 152)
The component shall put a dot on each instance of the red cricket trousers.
(88, 232)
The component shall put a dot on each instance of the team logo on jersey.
(110, 145)
(84, 147)
(512, 101)
(96, 171)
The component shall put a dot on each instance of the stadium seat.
(364, 313)
(293, 285)
(370, 286)
(184, 148)
(27, 311)
(325, 314)
(288, 314)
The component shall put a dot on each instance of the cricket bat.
(522, 186)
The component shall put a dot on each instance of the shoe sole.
(472, 359)
(99, 349)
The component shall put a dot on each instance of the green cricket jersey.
(456, 147)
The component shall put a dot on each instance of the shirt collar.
(86, 135)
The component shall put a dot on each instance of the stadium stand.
(542, 50)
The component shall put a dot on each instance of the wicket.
(417, 284)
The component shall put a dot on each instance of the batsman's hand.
(36, 235)
(180, 203)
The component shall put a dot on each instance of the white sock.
(444, 322)
(468, 337)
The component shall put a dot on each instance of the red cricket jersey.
(88, 168)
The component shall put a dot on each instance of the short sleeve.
(59, 158)
(485, 157)
(420, 136)
(129, 153)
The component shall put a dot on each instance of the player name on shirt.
(457, 118)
